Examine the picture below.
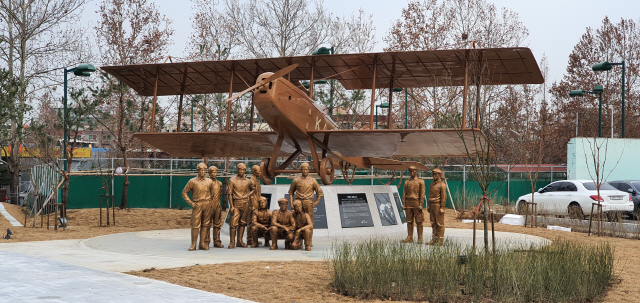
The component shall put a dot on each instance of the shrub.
(562, 271)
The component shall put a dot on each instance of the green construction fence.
(154, 191)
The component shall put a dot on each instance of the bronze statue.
(260, 223)
(303, 188)
(412, 197)
(200, 188)
(304, 226)
(254, 200)
(437, 201)
(239, 192)
(282, 225)
(216, 210)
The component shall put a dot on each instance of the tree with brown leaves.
(129, 32)
(610, 42)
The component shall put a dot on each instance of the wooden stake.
(155, 98)
(373, 90)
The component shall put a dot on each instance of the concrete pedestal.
(358, 211)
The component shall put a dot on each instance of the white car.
(575, 198)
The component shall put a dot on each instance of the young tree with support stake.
(596, 160)
(46, 147)
(130, 31)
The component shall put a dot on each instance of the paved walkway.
(168, 249)
(30, 279)
(8, 216)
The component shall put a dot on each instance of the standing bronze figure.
(216, 209)
(200, 188)
(260, 223)
(239, 192)
(412, 197)
(437, 201)
(282, 225)
(304, 227)
(254, 200)
(303, 188)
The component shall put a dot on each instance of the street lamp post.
(383, 105)
(82, 70)
(597, 90)
(605, 66)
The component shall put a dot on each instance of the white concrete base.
(335, 230)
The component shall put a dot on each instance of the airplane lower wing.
(217, 144)
(404, 142)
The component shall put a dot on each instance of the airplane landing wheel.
(327, 173)
(265, 176)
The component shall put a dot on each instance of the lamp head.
(397, 89)
(305, 84)
(384, 105)
(84, 70)
(320, 82)
(9, 232)
(603, 66)
(82, 74)
(322, 51)
(598, 89)
(576, 93)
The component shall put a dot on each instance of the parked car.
(633, 188)
(575, 198)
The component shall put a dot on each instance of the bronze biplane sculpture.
(303, 127)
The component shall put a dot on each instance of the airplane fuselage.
(288, 110)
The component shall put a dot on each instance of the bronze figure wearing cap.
(239, 192)
(200, 188)
(412, 197)
(303, 188)
(304, 226)
(216, 209)
(282, 225)
(260, 223)
(254, 200)
(437, 201)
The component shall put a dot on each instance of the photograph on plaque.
(385, 209)
(268, 196)
(403, 217)
(354, 210)
(319, 213)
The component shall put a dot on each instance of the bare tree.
(130, 31)
(443, 24)
(40, 38)
(279, 28)
(596, 156)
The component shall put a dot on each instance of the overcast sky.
(555, 26)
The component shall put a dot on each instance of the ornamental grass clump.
(563, 271)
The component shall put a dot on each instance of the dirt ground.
(255, 280)
(84, 223)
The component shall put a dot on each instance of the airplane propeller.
(276, 75)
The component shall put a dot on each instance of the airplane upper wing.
(404, 142)
(425, 68)
(217, 144)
